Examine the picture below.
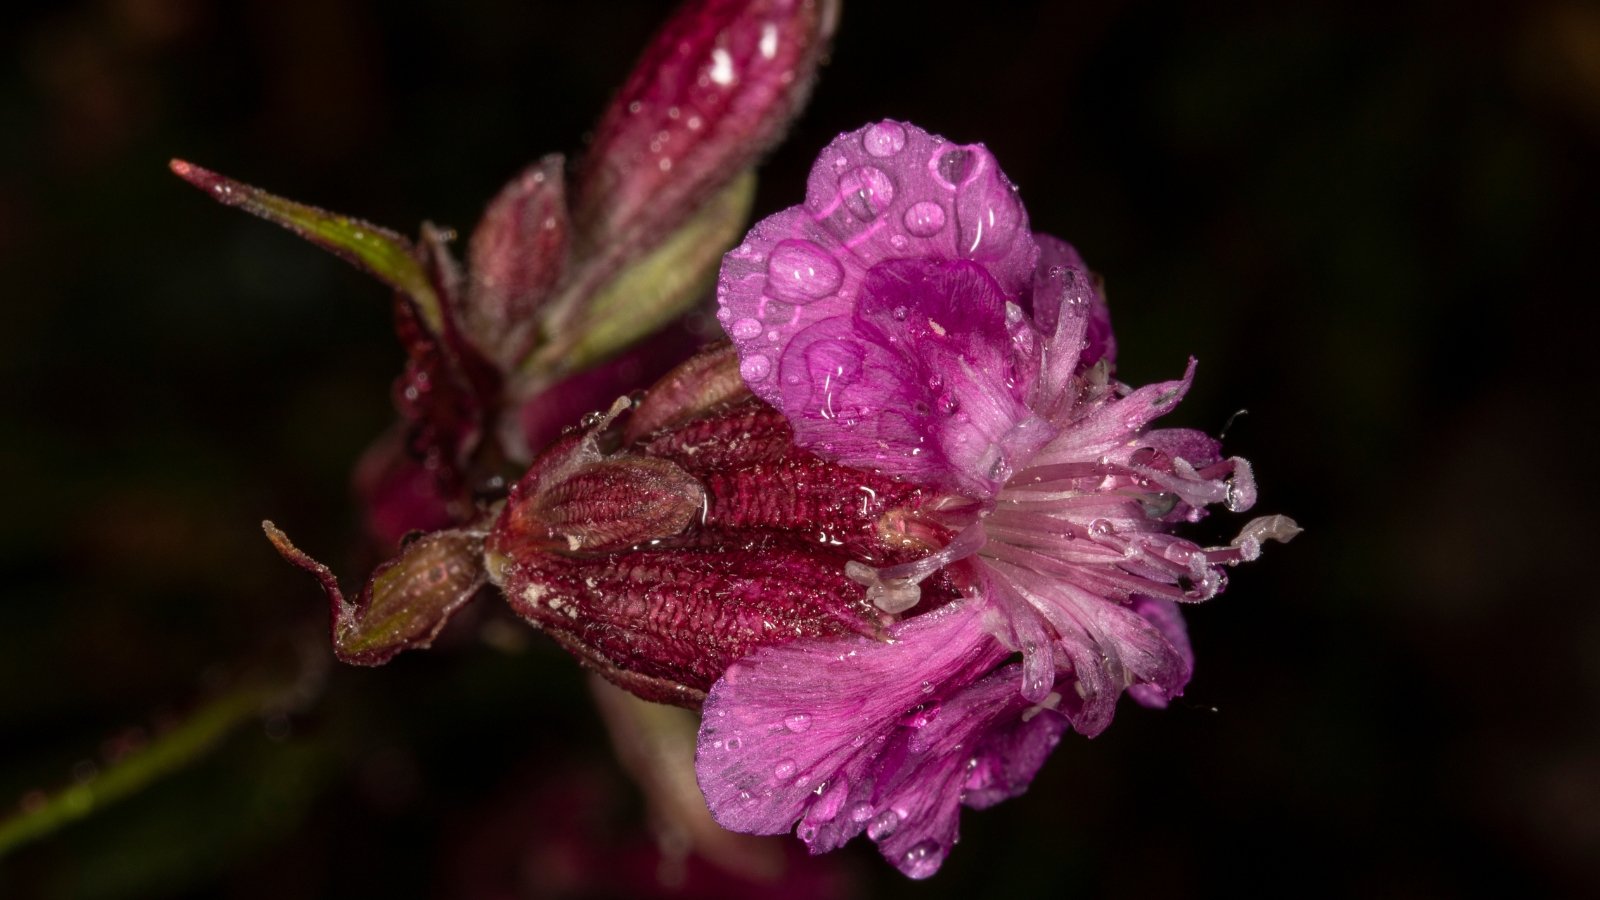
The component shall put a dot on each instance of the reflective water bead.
(755, 368)
(924, 219)
(884, 139)
(801, 272)
(866, 192)
(884, 825)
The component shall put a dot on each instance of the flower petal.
(854, 735)
(925, 382)
(1109, 428)
(887, 191)
(1165, 616)
(1099, 343)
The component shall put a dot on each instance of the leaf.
(369, 247)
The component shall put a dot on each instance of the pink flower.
(907, 322)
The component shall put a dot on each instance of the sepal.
(407, 601)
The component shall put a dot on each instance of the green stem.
(167, 753)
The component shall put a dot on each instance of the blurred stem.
(167, 753)
(656, 745)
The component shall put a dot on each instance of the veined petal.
(924, 381)
(1167, 619)
(887, 191)
(1055, 255)
(1109, 427)
(850, 736)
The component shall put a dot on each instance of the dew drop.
(884, 825)
(861, 812)
(884, 139)
(866, 192)
(954, 166)
(924, 219)
(1157, 506)
(922, 858)
(797, 722)
(1100, 528)
(806, 832)
(784, 770)
(733, 743)
(755, 368)
(745, 329)
(801, 272)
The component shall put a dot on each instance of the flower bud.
(706, 534)
(406, 602)
(718, 84)
(517, 253)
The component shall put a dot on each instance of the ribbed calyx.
(660, 554)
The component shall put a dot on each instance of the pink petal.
(851, 735)
(887, 191)
(924, 382)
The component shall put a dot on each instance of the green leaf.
(375, 249)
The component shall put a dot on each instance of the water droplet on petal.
(884, 139)
(744, 329)
(922, 858)
(924, 219)
(755, 368)
(861, 812)
(797, 722)
(954, 166)
(1158, 505)
(801, 272)
(866, 192)
(884, 825)
(1100, 528)
(734, 743)
(806, 832)
(784, 770)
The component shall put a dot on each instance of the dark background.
(1367, 223)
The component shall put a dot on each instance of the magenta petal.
(925, 382)
(891, 190)
(859, 403)
(1114, 646)
(887, 191)
(1007, 758)
(1099, 343)
(1196, 447)
(845, 736)
(1165, 616)
(1110, 428)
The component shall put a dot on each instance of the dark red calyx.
(761, 558)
